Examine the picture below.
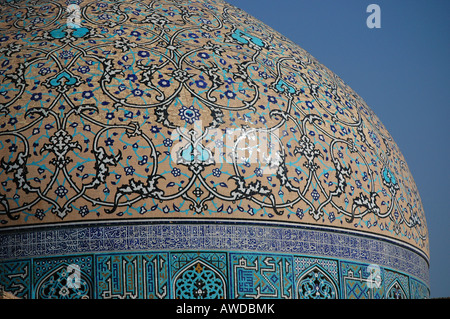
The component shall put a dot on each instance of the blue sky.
(402, 71)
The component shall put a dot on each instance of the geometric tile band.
(203, 275)
(211, 236)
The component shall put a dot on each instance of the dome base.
(199, 259)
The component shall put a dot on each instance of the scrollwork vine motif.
(136, 71)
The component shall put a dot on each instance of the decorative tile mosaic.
(68, 277)
(358, 282)
(134, 276)
(201, 275)
(15, 278)
(221, 236)
(207, 261)
(183, 149)
(122, 116)
(261, 276)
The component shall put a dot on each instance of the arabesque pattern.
(175, 109)
(146, 111)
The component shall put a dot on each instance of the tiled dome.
(183, 149)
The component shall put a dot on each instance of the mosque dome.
(184, 149)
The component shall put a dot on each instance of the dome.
(183, 149)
